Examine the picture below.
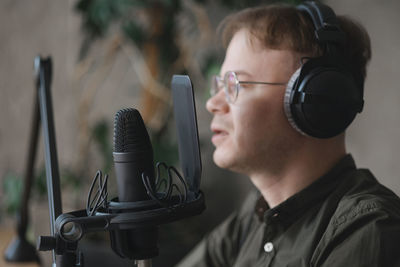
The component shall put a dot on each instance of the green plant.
(12, 189)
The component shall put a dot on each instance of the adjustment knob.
(45, 243)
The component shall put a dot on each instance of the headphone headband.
(327, 29)
(323, 96)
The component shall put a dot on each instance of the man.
(312, 206)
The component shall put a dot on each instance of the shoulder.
(365, 197)
(365, 228)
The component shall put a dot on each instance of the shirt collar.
(290, 209)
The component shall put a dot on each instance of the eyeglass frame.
(217, 78)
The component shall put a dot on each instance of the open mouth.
(219, 131)
(218, 136)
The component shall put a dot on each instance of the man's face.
(253, 133)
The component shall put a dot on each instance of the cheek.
(260, 121)
(254, 122)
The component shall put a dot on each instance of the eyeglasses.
(231, 85)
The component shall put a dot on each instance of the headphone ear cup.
(322, 102)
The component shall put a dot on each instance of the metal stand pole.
(44, 70)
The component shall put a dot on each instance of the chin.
(222, 160)
(227, 160)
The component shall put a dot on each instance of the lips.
(219, 135)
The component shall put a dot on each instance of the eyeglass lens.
(229, 84)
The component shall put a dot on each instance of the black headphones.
(323, 96)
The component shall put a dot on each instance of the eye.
(245, 85)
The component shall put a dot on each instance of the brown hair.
(283, 26)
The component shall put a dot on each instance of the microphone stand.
(20, 250)
(68, 228)
(68, 256)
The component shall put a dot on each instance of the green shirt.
(345, 218)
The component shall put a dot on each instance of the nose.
(217, 103)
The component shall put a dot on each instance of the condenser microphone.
(133, 159)
(133, 155)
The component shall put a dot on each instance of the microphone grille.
(130, 133)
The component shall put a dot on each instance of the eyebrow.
(240, 72)
(250, 77)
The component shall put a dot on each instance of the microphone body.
(133, 156)
(129, 167)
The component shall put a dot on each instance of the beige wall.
(51, 27)
(29, 28)
(373, 138)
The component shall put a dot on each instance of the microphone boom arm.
(72, 226)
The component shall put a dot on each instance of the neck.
(314, 159)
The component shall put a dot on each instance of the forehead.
(245, 54)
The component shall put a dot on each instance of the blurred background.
(109, 55)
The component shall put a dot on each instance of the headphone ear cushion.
(288, 99)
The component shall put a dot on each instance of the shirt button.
(268, 247)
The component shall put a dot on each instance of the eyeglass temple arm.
(251, 82)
